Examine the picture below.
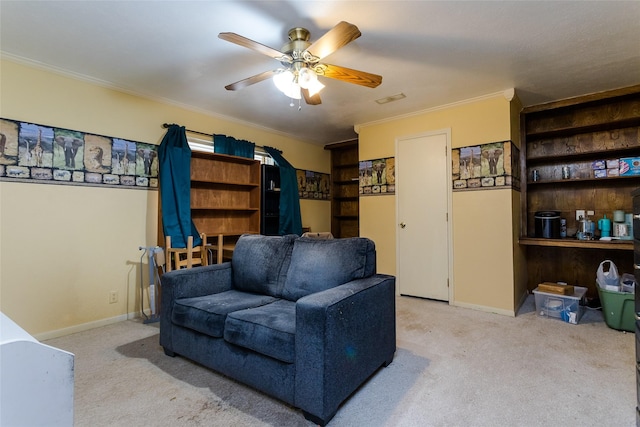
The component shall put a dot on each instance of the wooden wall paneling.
(575, 266)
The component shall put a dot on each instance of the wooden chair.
(221, 247)
(177, 258)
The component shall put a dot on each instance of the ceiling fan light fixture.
(283, 80)
(315, 87)
(293, 91)
(306, 77)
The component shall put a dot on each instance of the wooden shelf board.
(605, 97)
(225, 183)
(223, 157)
(574, 130)
(579, 180)
(225, 208)
(625, 245)
(342, 145)
(594, 155)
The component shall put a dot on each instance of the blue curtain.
(174, 157)
(290, 218)
(223, 144)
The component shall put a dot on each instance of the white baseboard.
(85, 326)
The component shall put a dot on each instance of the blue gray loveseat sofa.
(304, 320)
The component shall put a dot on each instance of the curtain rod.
(166, 125)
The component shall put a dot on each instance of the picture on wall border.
(377, 177)
(488, 166)
(38, 153)
(313, 185)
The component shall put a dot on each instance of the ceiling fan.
(302, 62)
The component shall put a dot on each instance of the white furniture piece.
(36, 381)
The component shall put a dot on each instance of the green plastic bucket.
(618, 309)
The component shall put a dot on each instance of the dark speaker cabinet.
(270, 200)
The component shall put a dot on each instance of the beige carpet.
(453, 367)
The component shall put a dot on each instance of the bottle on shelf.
(604, 225)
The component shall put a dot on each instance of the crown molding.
(109, 85)
(505, 93)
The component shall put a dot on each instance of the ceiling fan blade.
(311, 100)
(254, 45)
(334, 39)
(350, 76)
(250, 80)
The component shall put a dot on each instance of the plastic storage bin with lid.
(617, 297)
(568, 308)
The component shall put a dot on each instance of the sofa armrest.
(187, 283)
(343, 335)
(198, 281)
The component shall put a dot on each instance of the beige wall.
(64, 248)
(482, 221)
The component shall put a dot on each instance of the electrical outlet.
(580, 213)
(113, 297)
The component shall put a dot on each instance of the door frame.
(447, 133)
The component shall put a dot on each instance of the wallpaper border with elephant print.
(47, 154)
(488, 166)
(313, 185)
(377, 177)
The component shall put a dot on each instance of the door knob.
(403, 225)
(636, 266)
(636, 216)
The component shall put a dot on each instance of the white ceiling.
(436, 53)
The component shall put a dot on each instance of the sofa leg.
(388, 361)
(168, 352)
(314, 419)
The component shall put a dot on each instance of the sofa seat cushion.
(318, 264)
(207, 314)
(269, 329)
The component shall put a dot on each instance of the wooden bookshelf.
(225, 199)
(344, 189)
(574, 133)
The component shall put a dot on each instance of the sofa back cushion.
(260, 263)
(318, 264)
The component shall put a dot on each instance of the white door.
(423, 180)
